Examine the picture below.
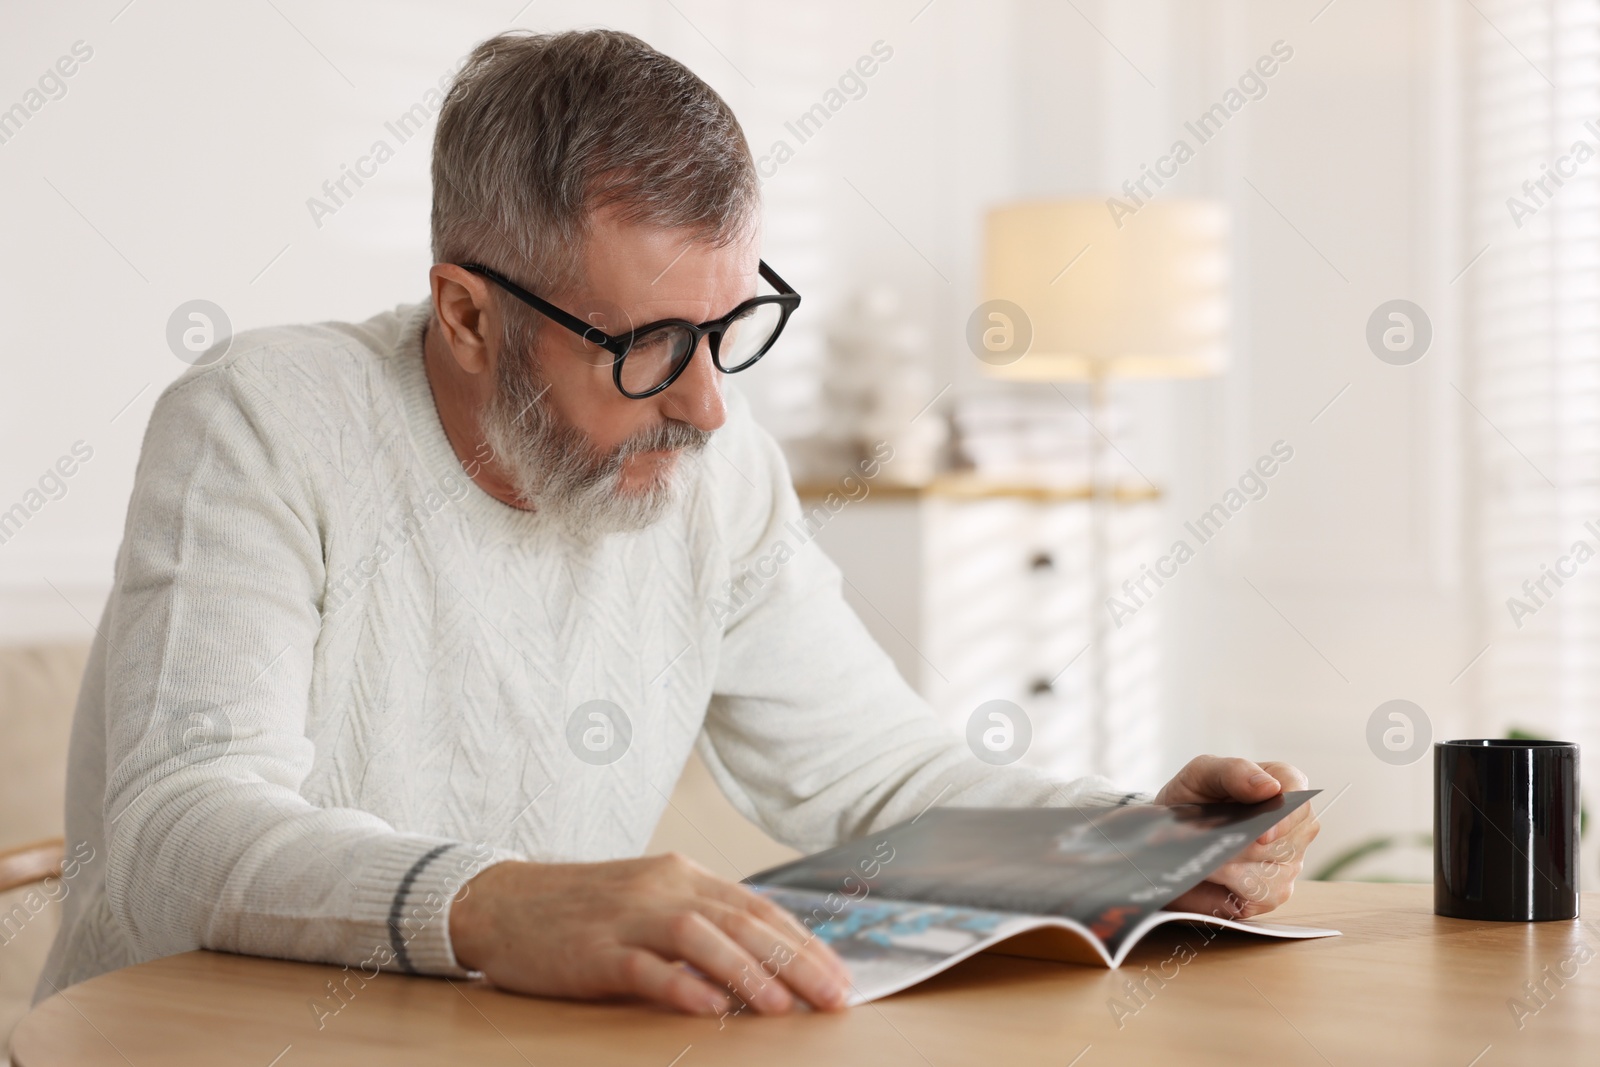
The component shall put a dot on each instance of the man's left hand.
(1262, 876)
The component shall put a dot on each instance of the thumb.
(1219, 778)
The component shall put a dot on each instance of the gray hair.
(539, 131)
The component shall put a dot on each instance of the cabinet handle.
(1042, 561)
(1040, 687)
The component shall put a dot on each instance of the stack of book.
(1031, 435)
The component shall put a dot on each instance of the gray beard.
(555, 469)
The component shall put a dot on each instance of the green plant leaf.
(1370, 847)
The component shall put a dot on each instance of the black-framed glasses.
(647, 360)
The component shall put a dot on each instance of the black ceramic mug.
(1505, 830)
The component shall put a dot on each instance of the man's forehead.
(663, 273)
(615, 247)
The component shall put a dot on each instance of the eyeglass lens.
(656, 355)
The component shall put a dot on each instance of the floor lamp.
(1100, 297)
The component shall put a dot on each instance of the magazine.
(1081, 885)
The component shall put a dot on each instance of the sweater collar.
(438, 456)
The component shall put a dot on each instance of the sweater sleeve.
(812, 733)
(210, 634)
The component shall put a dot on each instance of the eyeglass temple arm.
(587, 330)
(778, 283)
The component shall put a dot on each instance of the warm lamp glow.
(1147, 300)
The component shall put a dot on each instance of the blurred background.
(1370, 269)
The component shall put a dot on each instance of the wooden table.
(1400, 987)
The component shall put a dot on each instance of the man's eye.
(651, 343)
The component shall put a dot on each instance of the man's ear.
(467, 316)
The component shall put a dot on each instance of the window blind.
(1533, 334)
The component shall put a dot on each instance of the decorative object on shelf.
(1021, 433)
(1072, 296)
(878, 389)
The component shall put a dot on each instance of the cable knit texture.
(335, 679)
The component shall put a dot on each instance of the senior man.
(416, 620)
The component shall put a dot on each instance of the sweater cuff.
(413, 888)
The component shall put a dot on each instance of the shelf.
(967, 486)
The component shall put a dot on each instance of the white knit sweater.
(335, 678)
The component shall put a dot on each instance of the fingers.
(1248, 897)
(1208, 898)
(644, 974)
(1258, 879)
(1211, 778)
(692, 937)
(780, 918)
(1261, 887)
(1303, 821)
(1290, 776)
(660, 928)
(803, 968)
(1292, 823)
(1234, 892)
(1284, 842)
(809, 948)
(1262, 877)
(760, 966)
(740, 939)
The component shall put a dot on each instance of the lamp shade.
(1146, 299)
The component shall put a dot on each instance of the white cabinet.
(984, 592)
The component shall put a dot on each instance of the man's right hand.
(627, 928)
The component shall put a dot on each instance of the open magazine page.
(890, 945)
(1106, 868)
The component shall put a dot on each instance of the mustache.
(669, 436)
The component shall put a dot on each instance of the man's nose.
(696, 397)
